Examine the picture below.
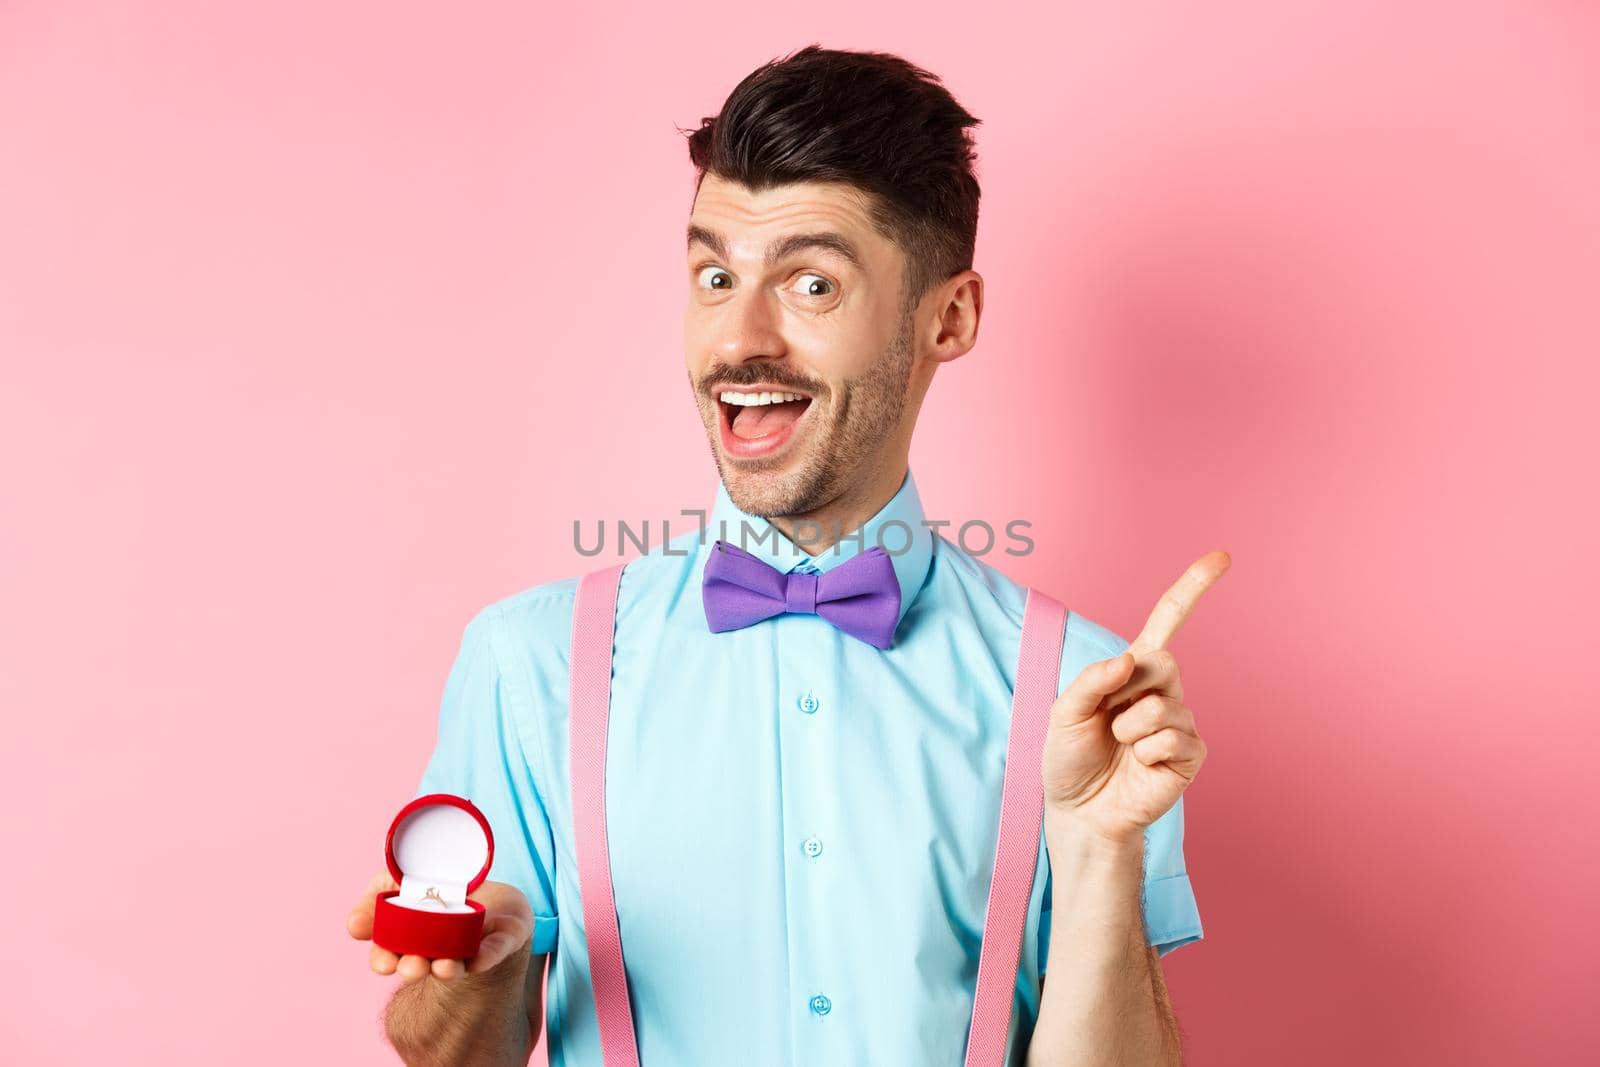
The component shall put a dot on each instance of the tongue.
(765, 419)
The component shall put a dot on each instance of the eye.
(817, 287)
(714, 278)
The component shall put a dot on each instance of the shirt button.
(809, 704)
(821, 1005)
(812, 846)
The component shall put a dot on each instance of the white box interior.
(439, 849)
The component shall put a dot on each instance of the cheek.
(855, 340)
(857, 360)
(706, 329)
(841, 353)
(694, 347)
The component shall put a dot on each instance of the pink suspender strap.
(1016, 858)
(593, 623)
(1044, 622)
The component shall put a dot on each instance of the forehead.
(748, 220)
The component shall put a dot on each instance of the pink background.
(307, 311)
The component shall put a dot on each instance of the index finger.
(1178, 601)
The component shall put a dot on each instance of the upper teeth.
(752, 399)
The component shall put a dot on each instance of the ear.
(955, 308)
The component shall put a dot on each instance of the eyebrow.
(823, 240)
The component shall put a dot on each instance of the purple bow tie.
(860, 596)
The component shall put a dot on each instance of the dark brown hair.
(868, 119)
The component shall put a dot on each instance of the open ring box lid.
(439, 849)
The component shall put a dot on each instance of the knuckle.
(1151, 712)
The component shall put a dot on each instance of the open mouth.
(755, 417)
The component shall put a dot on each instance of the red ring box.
(439, 849)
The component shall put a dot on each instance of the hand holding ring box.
(439, 849)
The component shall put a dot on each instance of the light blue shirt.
(802, 827)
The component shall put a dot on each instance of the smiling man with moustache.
(804, 714)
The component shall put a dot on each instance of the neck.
(818, 530)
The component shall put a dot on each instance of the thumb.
(499, 945)
(1092, 685)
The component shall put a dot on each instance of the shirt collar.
(898, 526)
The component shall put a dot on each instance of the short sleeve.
(1171, 917)
(479, 754)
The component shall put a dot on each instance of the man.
(803, 819)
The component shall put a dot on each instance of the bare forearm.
(473, 1019)
(1101, 1003)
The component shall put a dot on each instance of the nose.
(749, 327)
